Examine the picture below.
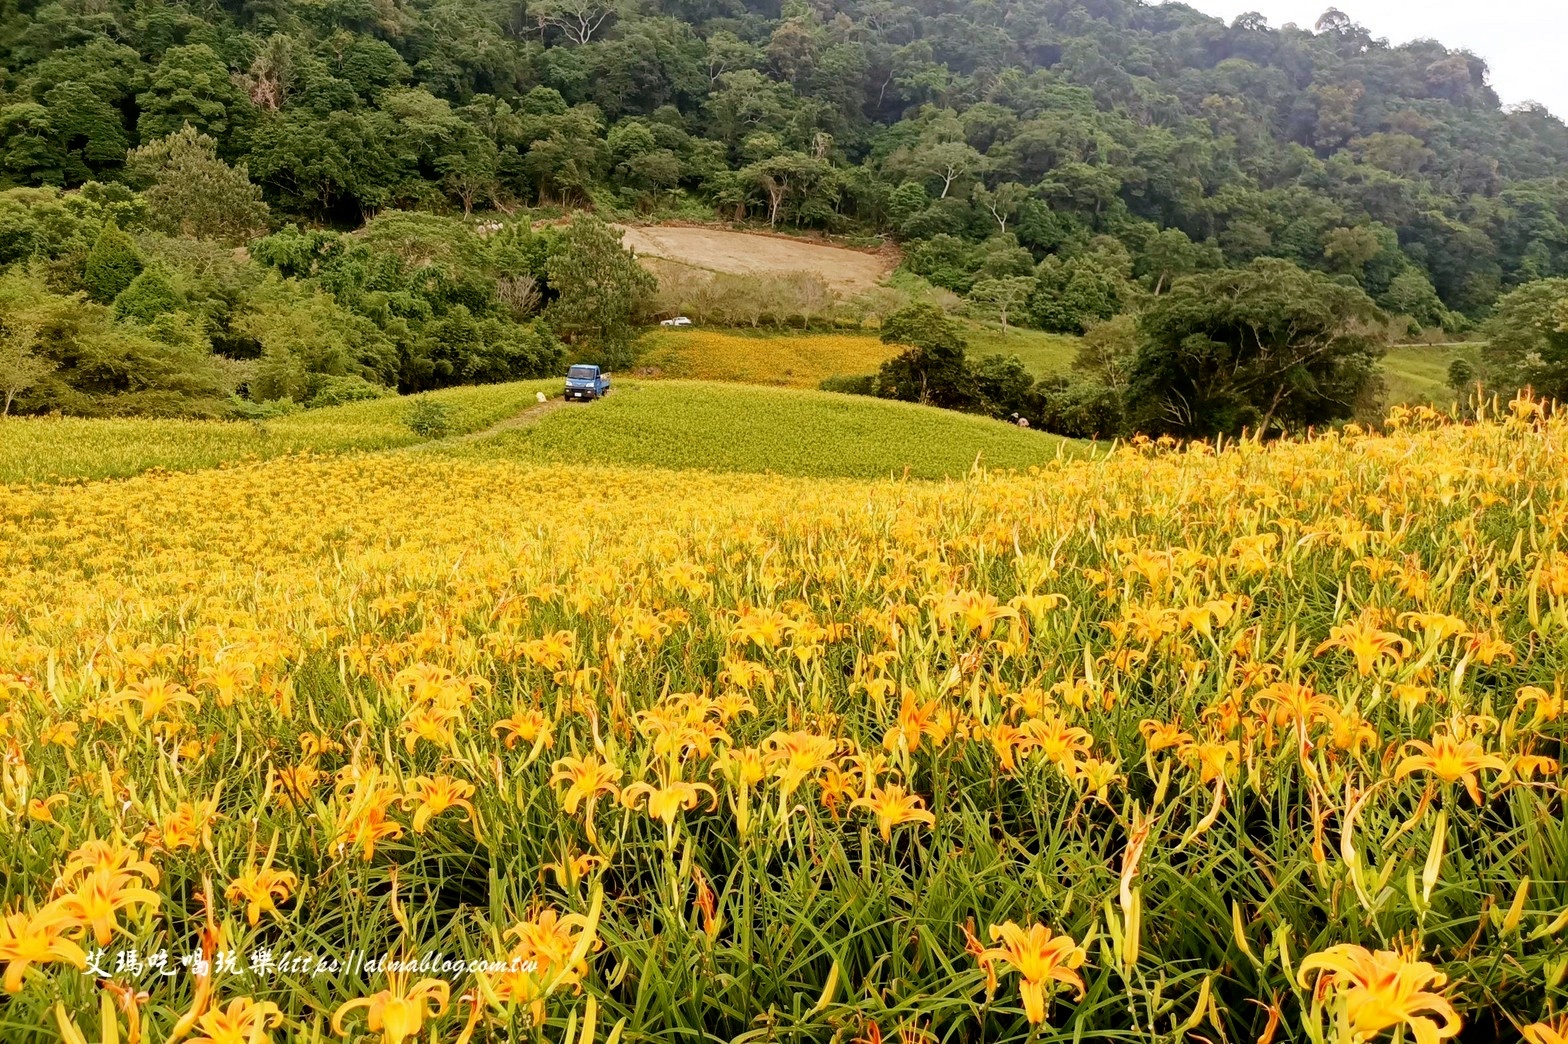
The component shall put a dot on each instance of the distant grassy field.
(1041, 352)
(785, 360)
(789, 359)
(64, 449)
(730, 427)
(1419, 372)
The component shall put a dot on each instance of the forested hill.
(973, 131)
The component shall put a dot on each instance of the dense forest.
(1052, 158)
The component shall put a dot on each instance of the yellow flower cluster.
(793, 360)
(395, 703)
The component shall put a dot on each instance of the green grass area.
(1041, 352)
(732, 427)
(63, 449)
(1419, 372)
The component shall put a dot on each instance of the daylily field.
(1255, 744)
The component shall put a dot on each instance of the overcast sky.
(1521, 40)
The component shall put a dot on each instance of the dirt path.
(526, 419)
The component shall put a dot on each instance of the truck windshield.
(583, 373)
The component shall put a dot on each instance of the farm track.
(526, 419)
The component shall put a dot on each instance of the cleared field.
(1419, 372)
(784, 360)
(65, 449)
(747, 253)
(729, 427)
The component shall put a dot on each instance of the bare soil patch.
(749, 253)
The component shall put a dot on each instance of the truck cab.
(585, 383)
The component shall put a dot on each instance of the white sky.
(1521, 40)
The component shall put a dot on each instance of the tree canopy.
(1267, 347)
(1038, 124)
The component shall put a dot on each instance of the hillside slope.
(727, 427)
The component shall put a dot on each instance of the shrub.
(428, 418)
(337, 390)
(860, 384)
(245, 409)
(147, 296)
(1078, 408)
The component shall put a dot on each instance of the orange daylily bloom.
(892, 806)
(99, 897)
(589, 777)
(262, 890)
(399, 1011)
(1383, 990)
(244, 1021)
(1451, 761)
(528, 726)
(1161, 735)
(1039, 957)
(1367, 643)
(665, 803)
(39, 938)
(1553, 1032)
(433, 796)
(793, 756)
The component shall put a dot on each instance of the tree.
(1527, 340)
(1411, 293)
(788, 177)
(1170, 254)
(600, 289)
(1001, 203)
(1071, 294)
(1349, 250)
(1461, 376)
(30, 152)
(1107, 351)
(1262, 348)
(577, 20)
(95, 366)
(948, 161)
(191, 192)
(191, 84)
(111, 264)
(933, 367)
(147, 296)
(1001, 297)
(89, 130)
(305, 336)
(1003, 386)
(21, 366)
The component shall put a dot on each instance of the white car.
(679, 320)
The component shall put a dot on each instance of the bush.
(245, 409)
(1078, 408)
(428, 418)
(335, 391)
(1003, 384)
(861, 384)
(147, 296)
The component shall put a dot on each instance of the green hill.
(65, 449)
(1419, 372)
(728, 427)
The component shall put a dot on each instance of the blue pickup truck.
(586, 383)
